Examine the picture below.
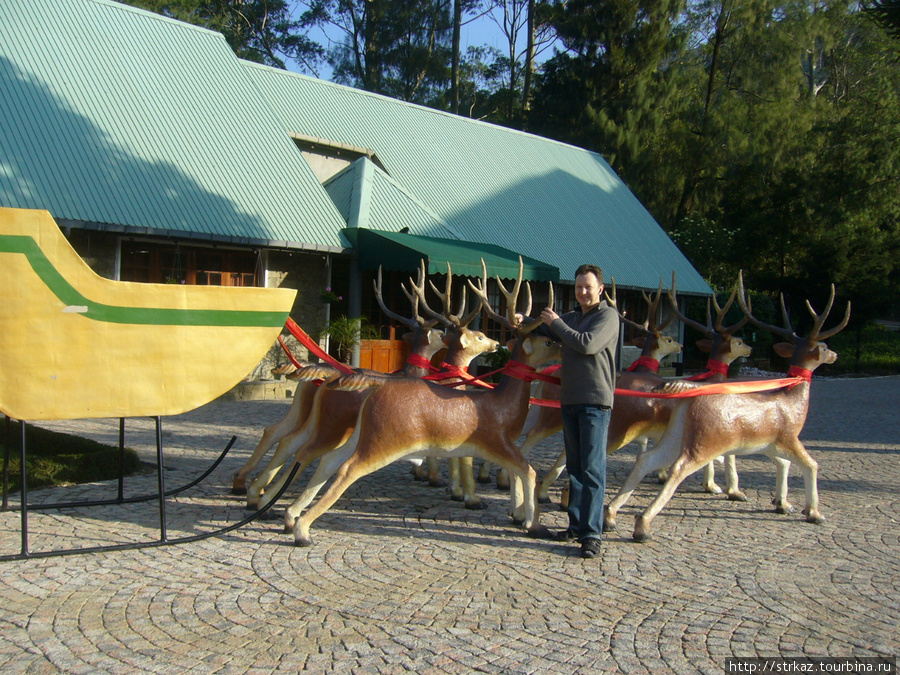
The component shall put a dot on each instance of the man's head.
(588, 286)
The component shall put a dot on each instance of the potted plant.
(346, 333)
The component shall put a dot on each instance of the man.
(589, 336)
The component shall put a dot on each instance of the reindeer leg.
(467, 475)
(456, 489)
(511, 459)
(661, 456)
(681, 469)
(731, 480)
(434, 473)
(549, 478)
(794, 449)
(286, 447)
(709, 479)
(271, 435)
(782, 468)
(331, 462)
(349, 472)
(484, 472)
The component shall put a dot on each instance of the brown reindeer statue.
(703, 428)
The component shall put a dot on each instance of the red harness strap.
(647, 362)
(713, 367)
(797, 371)
(418, 361)
(313, 347)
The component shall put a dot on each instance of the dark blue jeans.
(584, 429)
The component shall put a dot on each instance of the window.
(175, 264)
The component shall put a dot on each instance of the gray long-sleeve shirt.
(589, 342)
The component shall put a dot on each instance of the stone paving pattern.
(402, 579)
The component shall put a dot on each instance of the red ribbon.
(313, 347)
(647, 362)
(419, 361)
(797, 371)
(713, 367)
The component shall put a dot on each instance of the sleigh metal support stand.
(160, 496)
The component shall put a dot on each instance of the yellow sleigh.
(75, 345)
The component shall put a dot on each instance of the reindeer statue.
(703, 428)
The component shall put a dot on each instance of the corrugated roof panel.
(116, 115)
(548, 200)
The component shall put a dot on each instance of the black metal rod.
(5, 505)
(141, 498)
(166, 542)
(162, 483)
(24, 505)
(121, 458)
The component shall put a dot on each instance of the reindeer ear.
(463, 340)
(527, 346)
(639, 342)
(784, 349)
(704, 345)
(510, 344)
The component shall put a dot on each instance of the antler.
(819, 319)
(411, 323)
(512, 298)
(649, 327)
(710, 329)
(456, 319)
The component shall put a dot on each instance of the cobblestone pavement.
(403, 579)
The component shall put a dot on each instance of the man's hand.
(548, 316)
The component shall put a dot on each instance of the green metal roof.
(366, 196)
(491, 184)
(120, 119)
(400, 251)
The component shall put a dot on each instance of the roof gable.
(115, 117)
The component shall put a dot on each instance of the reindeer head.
(652, 343)
(807, 353)
(720, 342)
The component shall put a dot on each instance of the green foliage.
(346, 333)
(873, 350)
(59, 459)
(263, 31)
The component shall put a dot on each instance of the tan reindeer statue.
(768, 422)
(723, 347)
(424, 340)
(407, 417)
(459, 340)
(334, 411)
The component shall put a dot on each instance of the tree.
(262, 31)
(606, 91)
(398, 48)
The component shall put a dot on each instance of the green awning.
(399, 251)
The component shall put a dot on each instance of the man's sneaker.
(590, 548)
(566, 535)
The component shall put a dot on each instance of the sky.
(476, 32)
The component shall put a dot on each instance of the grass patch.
(878, 348)
(60, 459)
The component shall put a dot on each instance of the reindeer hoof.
(287, 529)
(484, 480)
(502, 487)
(543, 500)
(642, 537)
(712, 489)
(239, 489)
(457, 498)
(609, 525)
(783, 507)
(737, 496)
(540, 532)
(815, 518)
(476, 506)
(251, 506)
(303, 542)
(437, 483)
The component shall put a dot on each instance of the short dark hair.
(586, 269)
